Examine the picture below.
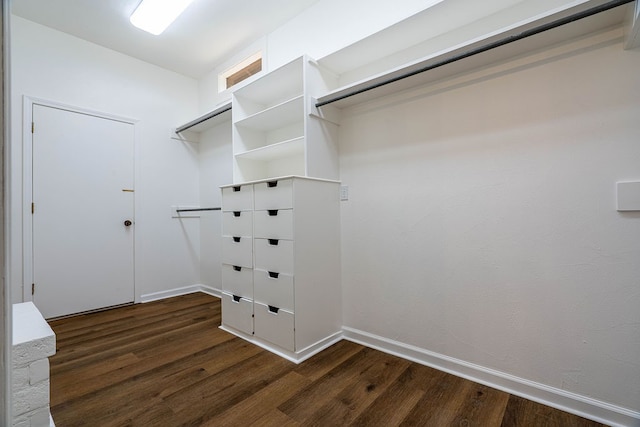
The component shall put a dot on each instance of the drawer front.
(272, 257)
(237, 314)
(237, 252)
(274, 224)
(237, 198)
(237, 280)
(277, 194)
(273, 289)
(237, 223)
(277, 328)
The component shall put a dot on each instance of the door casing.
(27, 181)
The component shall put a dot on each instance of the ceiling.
(204, 36)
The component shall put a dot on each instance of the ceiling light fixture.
(154, 16)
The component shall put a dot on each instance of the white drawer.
(273, 288)
(274, 325)
(237, 251)
(237, 313)
(274, 224)
(237, 223)
(237, 280)
(277, 194)
(237, 198)
(274, 255)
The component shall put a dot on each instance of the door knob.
(127, 223)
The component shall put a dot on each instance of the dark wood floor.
(166, 363)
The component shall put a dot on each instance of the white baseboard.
(560, 399)
(295, 357)
(180, 291)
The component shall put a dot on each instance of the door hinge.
(33, 288)
(33, 208)
(33, 127)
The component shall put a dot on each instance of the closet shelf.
(507, 43)
(290, 148)
(208, 120)
(285, 83)
(278, 116)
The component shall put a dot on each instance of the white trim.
(27, 178)
(155, 296)
(295, 357)
(560, 399)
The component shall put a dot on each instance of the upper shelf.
(280, 115)
(382, 64)
(208, 120)
(361, 83)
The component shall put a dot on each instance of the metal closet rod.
(489, 46)
(198, 209)
(203, 119)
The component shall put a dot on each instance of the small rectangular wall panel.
(628, 196)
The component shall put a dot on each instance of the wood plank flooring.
(166, 363)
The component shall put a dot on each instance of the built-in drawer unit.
(237, 280)
(282, 258)
(273, 288)
(238, 312)
(275, 325)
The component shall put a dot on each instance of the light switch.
(628, 196)
(344, 192)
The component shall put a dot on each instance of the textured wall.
(482, 221)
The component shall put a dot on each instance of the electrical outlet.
(344, 192)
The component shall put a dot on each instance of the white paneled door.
(83, 212)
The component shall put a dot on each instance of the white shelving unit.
(277, 131)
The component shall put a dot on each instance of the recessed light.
(154, 16)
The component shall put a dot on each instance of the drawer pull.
(237, 268)
(236, 239)
(236, 213)
(236, 298)
(273, 212)
(273, 274)
(272, 242)
(272, 184)
(273, 310)
(236, 188)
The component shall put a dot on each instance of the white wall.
(216, 169)
(482, 225)
(330, 25)
(55, 66)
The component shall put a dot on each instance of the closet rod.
(489, 46)
(203, 119)
(198, 209)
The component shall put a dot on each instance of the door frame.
(27, 180)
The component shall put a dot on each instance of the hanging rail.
(204, 118)
(489, 46)
(197, 209)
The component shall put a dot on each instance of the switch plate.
(628, 196)
(344, 192)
